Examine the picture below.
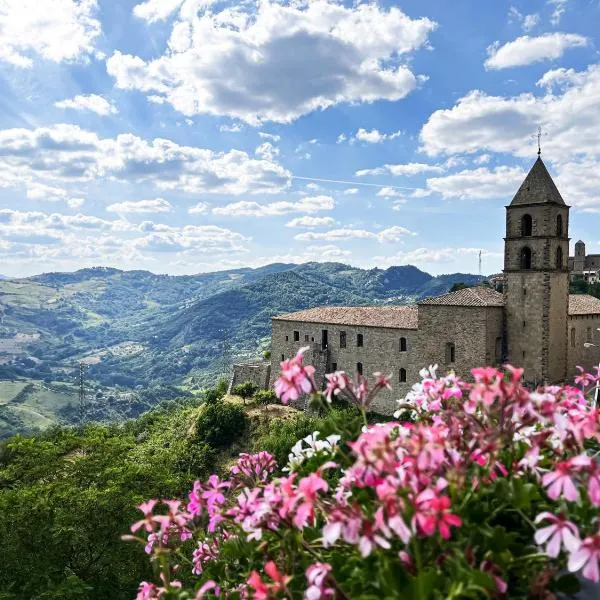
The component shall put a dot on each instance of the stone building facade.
(584, 266)
(533, 323)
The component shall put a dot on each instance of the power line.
(377, 185)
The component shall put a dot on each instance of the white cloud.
(235, 128)
(245, 208)
(407, 169)
(198, 239)
(391, 234)
(480, 183)
(69, 153)
(269, 136)
(75, 202)
(310, 222)
(341, 138)
(389, 192)
(156, 10)
(91, 102)
(267, 150)
(61, 30)
(351, 191)
(157, 205)
(479, 122)
(290, 59)
(374, 136)
(527, 50)
(431, 255)
(327, 252)
(560, 6)
(527, 22)
(199, 209)
(482, 159)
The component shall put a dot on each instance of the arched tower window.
(559, 226)
(526, 258)
(402, 375)
(402, 344)
(450, 352)
(359, 368)
(526, 225)
(559, 258)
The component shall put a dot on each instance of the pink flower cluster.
(402, 484)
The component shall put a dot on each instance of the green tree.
(245, 390)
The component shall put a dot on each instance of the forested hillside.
(140, 334)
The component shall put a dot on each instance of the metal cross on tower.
(539, 136)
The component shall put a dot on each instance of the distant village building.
(533, 323)
(585, 267)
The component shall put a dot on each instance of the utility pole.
(480, 263)
(82, 407)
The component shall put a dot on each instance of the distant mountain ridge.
(136, 328)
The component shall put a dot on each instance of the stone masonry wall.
(582, 329)
(258, 373)
(380, 352)
(473, 331)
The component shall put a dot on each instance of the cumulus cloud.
(157, 205)
(269, 136)
(199, 209)
(432, 255)
(407, 169)
(391, 234)
(62, 30)
(91, 102)
(236, 128)
(351, 191)
(481, 183)
(69, 153)
(479, 122)
(310, 222)
(390, 192)
(290, 59)
(246, 208)
(267, 150)
(560, 6)
(375, 136)
(527, 22)
(527, 50)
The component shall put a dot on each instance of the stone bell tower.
(536, 293)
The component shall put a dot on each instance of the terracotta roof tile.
(480, 295)
(583, 304)
(395, 317)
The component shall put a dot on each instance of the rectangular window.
(282, 357)
(324, 339)
(296, 336)
(334, 366)
(306, 338)
(359, 368)
(287, 337)
(342, 339)
(359, 340)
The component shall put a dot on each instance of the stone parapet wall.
(258, 373)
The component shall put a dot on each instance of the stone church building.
(534, 323)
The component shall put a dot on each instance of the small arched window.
(402, 376)
(572, 337)
(559, 258)
(526, 258)
(402, 344)
(359, 368)
(359, 340)
(526, 225)
(450, 352)
(559, 225)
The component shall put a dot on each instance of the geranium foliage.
(480, 489)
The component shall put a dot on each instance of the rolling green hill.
(139, 332)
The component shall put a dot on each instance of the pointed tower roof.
(538, 188)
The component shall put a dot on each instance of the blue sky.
(183, 136)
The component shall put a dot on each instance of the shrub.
(222, 387)
(265, 397)
(245, 390)
(221, 423)
(212, 395)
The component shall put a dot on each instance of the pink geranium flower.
(587, 558)
(433, 513)
(560, 481)
(148, 521)
(295, 379)
(560, 533)
(318, 588)
(264, 590)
